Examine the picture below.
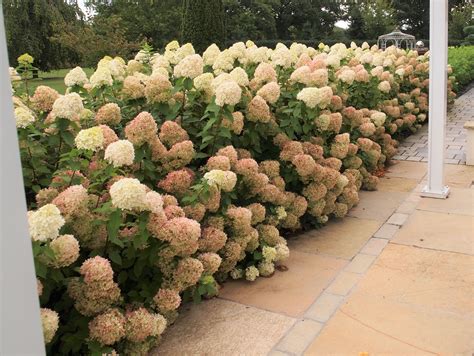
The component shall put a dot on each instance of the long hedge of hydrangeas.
(156, 179)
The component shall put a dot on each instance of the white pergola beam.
(20, 326)
(437, 100)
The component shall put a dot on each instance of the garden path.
(396, 276)
(415, 147)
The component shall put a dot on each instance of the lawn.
(54, 79)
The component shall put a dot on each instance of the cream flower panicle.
(128, 194)
(76, 76)
(45, 223)
(120, 153)
(23, 117)
(90, 139)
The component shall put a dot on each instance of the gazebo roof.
(397, 34)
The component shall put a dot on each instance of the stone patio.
(415, 147)
(396, 276)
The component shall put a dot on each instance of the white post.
(20, 326)
(437, 99)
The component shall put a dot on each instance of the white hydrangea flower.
(101, 77)
(45, 223)
(120, 153)
(240, 76)
(281, 213)
(237, 273)
(269, 253)
(347, 76)
(225, 180)
(68, 106)
(384, 86)
(190, 67)
(210, 54)
(378, 118)
(266, 268)
(251, 273)
(23, 117)
(283, 252)
(76, 76)
(228, 93)
(310, 96)
(90, 139)
(128, 194)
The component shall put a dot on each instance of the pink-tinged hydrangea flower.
(66, 250)
(258, 213)
(39, 287)
(44, 223)
(169, 200)
(228, 93)
(44, 98)
(218, 162)
(139, 325)
(156, 221)
(187, 273)
(195, 211)
(189, 67)
(177, 182)
(109, 135)
(174, 211)
(72, 201)
(154, 202)
(367, 129)
(270, 168)
(141, 129)
(212, 239)
(265, 73)
(314, 191)
(96, 269)
(237, 123)
(171, 133)
(182, 234)
(229, 152)
(290, 150)
(305, 165)
(180, 155)
(210, 262)
(258, 110)
(128, 194)
(133, 87)
(108, 328)
(120, 153)
(108, 114)
(270, 92)
(50, 324)
(231, 254)
(167, 299)
(246, 167)
(269, 234)
(158, 88)
(90, 139)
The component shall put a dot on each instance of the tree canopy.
(57, 33)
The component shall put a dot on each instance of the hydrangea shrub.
(155, 180)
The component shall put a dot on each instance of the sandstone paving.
(377, 205)
(290, 292)
(219, 327)
(406, 170)
(459, 201)
(439, 231)
(411, 301)
(342, 238)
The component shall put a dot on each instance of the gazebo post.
(20, 325)
(437, 100)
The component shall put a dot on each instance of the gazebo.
(397, 38)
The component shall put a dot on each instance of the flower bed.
(153, 181)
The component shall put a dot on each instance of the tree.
(356, 21)
(29, 26)
(378, 17)
(460, 17)
(203, 23)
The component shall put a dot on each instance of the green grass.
(53, 79)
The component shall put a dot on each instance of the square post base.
(427, 193)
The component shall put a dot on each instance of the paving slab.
(290, 292)
(378, 205)
(299, 337)
(439, 231)
(396, 184)
(342, 238)
(421, 306)
(219, 327)
(407, 170)
(459, 201)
